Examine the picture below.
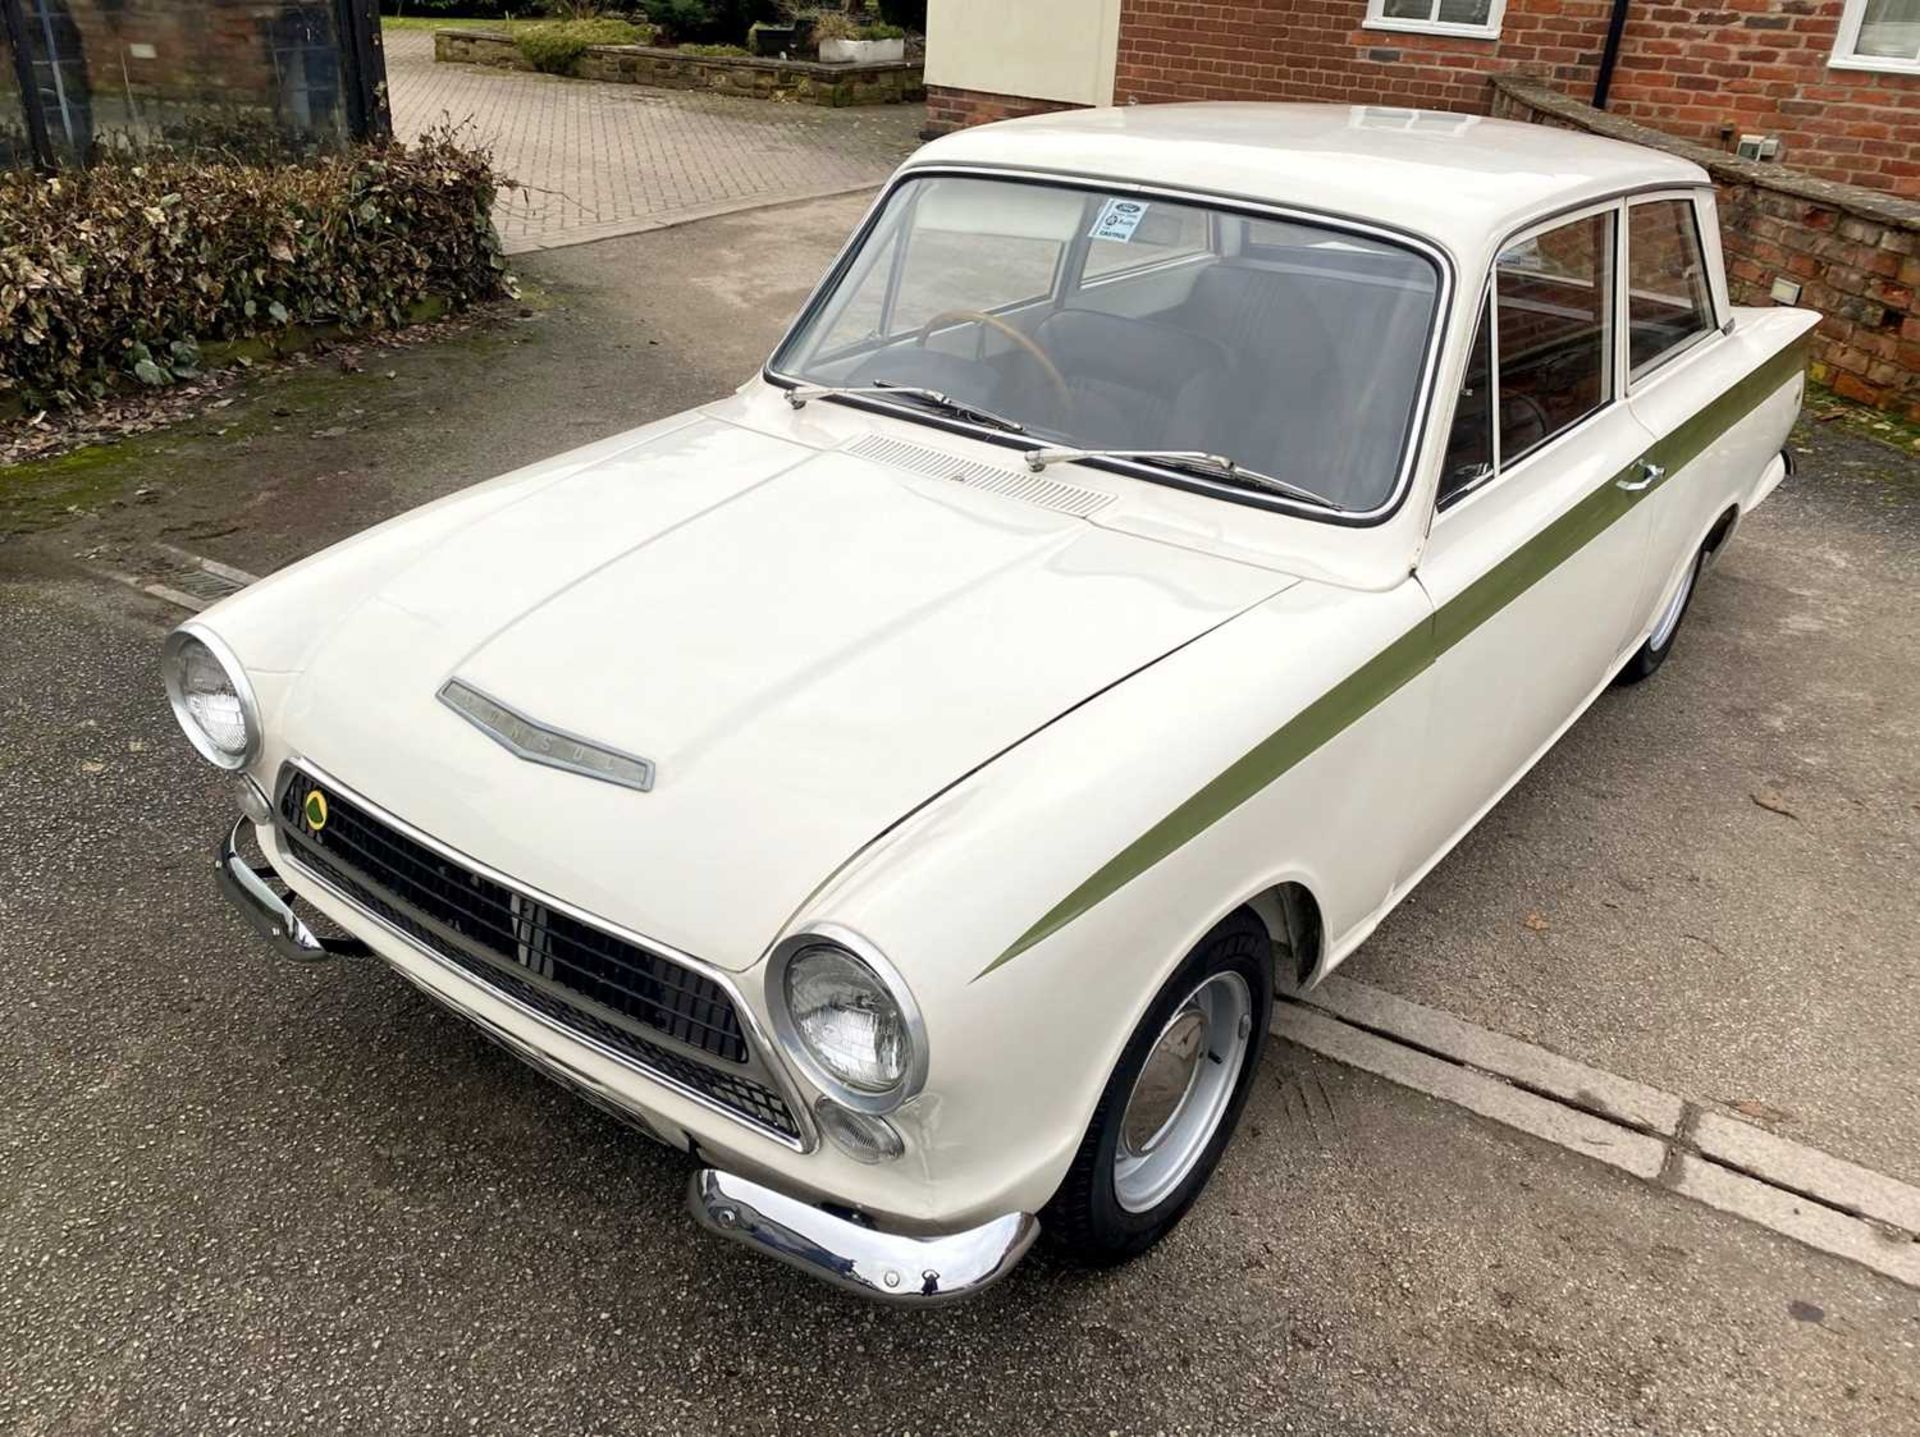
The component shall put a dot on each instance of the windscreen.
(1113, 320)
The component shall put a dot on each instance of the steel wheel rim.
(1670, 619)
(1182, 1093)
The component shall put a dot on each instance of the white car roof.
(1463, 180)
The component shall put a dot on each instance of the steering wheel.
(1523, 423)
(993, 321)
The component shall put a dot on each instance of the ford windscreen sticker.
(1118, 220)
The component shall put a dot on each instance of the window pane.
(1300, 356)
(1555, 332)
(1164, 232)
(1470, 444)
(1465, 12)
(1406, 9)
(1890, 29)
(1669, 302)
(947, 270)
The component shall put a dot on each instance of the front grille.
(567, 971)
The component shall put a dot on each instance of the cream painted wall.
(1041, 49)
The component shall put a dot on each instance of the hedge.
(556, 46)
(126, 268)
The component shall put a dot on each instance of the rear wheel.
(1653, 653)
(1172, 1102)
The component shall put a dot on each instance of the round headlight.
(211, 698)
(850, 1022)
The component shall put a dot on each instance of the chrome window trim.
(758, 1040)
(836, 935)
(1418, 427)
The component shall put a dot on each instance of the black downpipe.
(1610, 56)
(32, 102)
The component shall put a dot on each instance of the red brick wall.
(1755, 66)
(1854, 253)
(1317, 50)
(951, 109)
(1760, 66)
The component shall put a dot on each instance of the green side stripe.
(1400, 662)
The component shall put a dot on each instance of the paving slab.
(1579, 1085)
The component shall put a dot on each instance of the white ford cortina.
(905, 784)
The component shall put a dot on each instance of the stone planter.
(772, 41)
(863, 52)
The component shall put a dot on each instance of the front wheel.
(1173, 1100)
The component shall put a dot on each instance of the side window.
(1554, 316)
(1669, 299)
(1469, 461)
(1165, 232)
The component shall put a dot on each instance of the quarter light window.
(1469, 462)
(1554, 332)
(1669, 299)
(1443, 17)
(1878, 35)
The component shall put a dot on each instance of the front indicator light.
(861, 1136)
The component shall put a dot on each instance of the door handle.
(1650, 475)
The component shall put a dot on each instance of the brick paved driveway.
(603, 159)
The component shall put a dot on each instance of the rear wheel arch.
(1722, 530)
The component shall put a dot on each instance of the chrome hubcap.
(1183, 1091)
(1670, 618)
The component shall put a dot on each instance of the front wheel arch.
(1292, 918)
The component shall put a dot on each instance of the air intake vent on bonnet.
(1015, 484)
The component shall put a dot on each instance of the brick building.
(1835, 84)
(1829, 89)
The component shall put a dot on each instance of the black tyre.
(1653, 653)
(1172, 1103)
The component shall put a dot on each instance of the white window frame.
(1659, 364)
(1377, 20)
(1852, 17)
(1615, 389)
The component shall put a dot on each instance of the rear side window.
(1554, 315)
(1669, 299)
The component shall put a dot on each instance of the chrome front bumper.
(267, 905)
(911, 1271)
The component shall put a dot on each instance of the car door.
(1534, 561)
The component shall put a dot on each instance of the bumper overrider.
(838, 1246)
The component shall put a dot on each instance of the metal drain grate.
(1015, 484)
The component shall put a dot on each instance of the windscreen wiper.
(800, 394)
(1214, 466)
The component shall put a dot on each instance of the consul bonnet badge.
(543, 744)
